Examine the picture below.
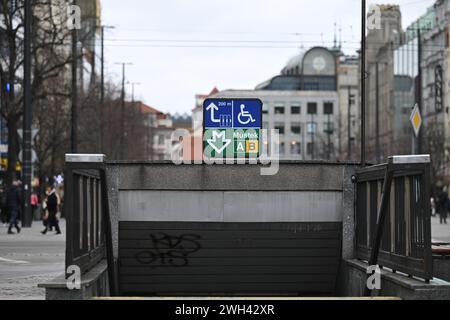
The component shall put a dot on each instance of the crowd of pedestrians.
(11, 207)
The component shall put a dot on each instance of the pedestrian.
(433, 207)
(443, 206)
(14, 204)
(53, 203)
(4, 206)
(45, 212)
(34, 200)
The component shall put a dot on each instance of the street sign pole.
(419, 87)
(416, 122)
(363, 83)
(27, 117)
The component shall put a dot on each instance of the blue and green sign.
(232, 128)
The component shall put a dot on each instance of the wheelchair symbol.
(245, 115)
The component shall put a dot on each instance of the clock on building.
(319, 63)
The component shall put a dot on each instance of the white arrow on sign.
(213, 108)
(34, 133)
(34, 157)
(219, 135)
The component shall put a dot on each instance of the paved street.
(30, 258)
(440, 232)
(27, 259)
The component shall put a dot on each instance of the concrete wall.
(352, 282)
(93, 284)
(233, 206)
(441, 267)
(301, 192)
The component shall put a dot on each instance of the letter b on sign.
(73, 281)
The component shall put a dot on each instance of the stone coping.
(86, 280)
(402, 279)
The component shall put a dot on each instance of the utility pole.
(102, 85)
(74, 91)
(419, 86)
(363, 83)
(133, 84)
(329, 133)
(313, 132)
(377, 115)
(349, 118)
(122, 111)
(27, 118)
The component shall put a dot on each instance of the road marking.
(13, 261)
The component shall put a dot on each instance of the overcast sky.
(158, 36)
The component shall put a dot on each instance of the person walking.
(443, 206)
(433, 207)
(52, 202)
(4, 206)
(34, 200)
(13, 199)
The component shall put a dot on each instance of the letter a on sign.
(74, 17)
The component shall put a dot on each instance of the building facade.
(305, 120)
(304, 103)
(349, 117)
(407, 68)
(383, 137)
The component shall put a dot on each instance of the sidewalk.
(440, 232)
(29, 258)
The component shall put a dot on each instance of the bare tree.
(51, 58)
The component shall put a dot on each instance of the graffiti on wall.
(168, 250)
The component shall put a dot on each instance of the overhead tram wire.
(116, 42)
(426, 48)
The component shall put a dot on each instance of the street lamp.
(102, 83)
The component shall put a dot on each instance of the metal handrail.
(394, 228)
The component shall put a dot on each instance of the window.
(312, 108)
(352, 99)
(282, 150)
(328, 127)
(328, 108)
(280, 128)
(295, 148)
(296, 128)
(312, 127)
(161, 139)
(265, 109)
(296, 110)
(309, 148)
(279, 110)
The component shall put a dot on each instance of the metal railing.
(393, 223)
(88, 239)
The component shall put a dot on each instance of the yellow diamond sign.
(416, 120)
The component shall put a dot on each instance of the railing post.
(91, 162)
(68, 213)
(113, 286)
(398, 164)
(381, 218)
